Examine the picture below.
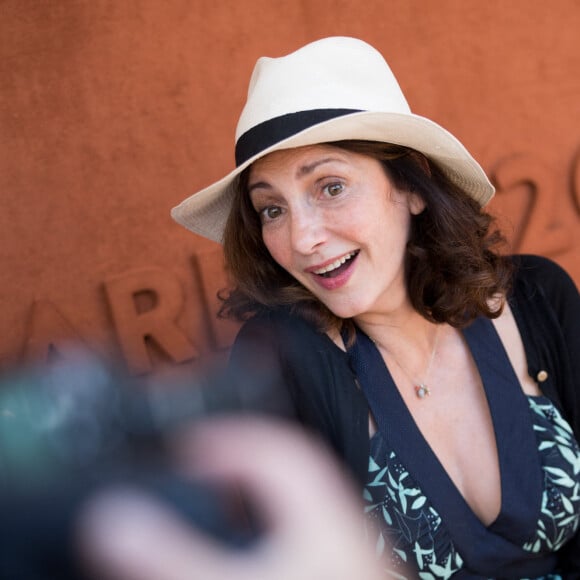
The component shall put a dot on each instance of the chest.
(455, 422)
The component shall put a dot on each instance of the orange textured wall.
(112, 111)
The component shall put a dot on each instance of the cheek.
(388, 226)
(367, 218)
(276, 244)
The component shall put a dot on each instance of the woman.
(442, 372)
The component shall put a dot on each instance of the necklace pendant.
(422, 391)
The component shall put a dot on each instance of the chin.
(346, 310)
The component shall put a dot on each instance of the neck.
(400, 331)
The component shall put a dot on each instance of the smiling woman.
(443, 372)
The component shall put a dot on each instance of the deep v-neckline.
(519, 461)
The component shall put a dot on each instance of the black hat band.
(274, 130)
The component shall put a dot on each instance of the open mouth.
(337, 266)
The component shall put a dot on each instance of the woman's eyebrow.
(258, 185)
(306, 169)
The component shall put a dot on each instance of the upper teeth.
(335, 264)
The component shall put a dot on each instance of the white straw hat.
(333, 89)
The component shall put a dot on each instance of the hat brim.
(206, 212)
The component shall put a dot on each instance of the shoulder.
(282, 329)
(544, 290)
(297, 346)
(538, 266)
(538, 273)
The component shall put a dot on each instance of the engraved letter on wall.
(136, 325)
(50, 333)
(544, 224)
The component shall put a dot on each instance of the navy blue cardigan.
(307, 368)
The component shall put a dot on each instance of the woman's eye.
(334, 189)
(270, 213)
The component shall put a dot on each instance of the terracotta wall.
(111, 111)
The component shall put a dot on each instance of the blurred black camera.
(71, 430)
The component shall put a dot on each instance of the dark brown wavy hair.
(454, 268)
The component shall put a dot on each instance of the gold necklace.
(421, 389)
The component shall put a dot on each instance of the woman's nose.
(308, 230)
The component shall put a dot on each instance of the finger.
(125, 534)
(291, 477)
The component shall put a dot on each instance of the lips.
(336, 273)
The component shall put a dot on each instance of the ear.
(415, 202)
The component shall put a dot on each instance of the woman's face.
(336, 223)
